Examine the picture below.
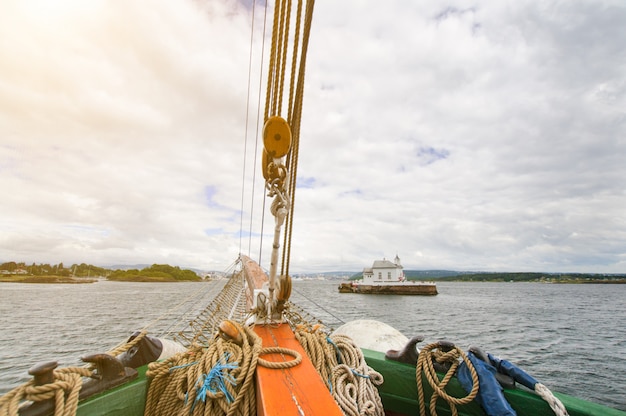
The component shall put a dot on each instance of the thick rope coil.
(341, 364)
(425, 365)
(554, 403)
(213, 380)
(64, 390)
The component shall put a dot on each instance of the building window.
(388, 275)
(380, 276)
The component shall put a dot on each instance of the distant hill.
(155, 273)
(127, 266)
(143, 266)
(326, 275)
(537, 277)
(419, 274)
(473, 276)
(430, 274)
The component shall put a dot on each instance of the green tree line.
(155, 273)
(75, 270)
(535, 277)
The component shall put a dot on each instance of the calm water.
(570, 337)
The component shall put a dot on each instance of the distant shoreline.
(83, 280)
(46, 279)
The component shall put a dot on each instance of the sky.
(460, 135)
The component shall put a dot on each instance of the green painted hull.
(398, 393)
(128, 399)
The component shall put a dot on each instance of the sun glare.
(57, 9)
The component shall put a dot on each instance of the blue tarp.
(490, 395)
(510, 369)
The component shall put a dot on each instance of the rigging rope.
(245, 143)
(294, 120)
(281, 178)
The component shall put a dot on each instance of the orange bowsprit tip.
(276, 137)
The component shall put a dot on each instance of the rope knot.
(215, 381)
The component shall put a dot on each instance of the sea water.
(572, 338)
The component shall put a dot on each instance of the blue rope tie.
(337, 352)
(176, 367)
(356, 373)
(216, 380)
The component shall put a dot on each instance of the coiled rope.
(64, 390)
(434, 352)
(212, 380)
(341, 364)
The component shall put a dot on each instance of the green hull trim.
(128, 399)
(399, 394)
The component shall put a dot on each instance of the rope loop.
(453, 356)
(279, 365)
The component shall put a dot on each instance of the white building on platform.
(384, 271)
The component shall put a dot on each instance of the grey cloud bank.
(468, 136)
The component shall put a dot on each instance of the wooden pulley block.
(229, 331)
(316, 327)
(265, 164)
(276, 137)
(285, 288)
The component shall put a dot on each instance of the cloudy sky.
(466, 135)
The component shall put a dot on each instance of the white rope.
(355, 382)
(555, 404)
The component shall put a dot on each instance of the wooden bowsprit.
(297, 390)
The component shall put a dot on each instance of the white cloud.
(473, 135)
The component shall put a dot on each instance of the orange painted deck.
(294, 391)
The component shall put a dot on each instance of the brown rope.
(127, 345)
(433, 352)
(64, 390)
(176, 382)
(294, 123)
(280, 364)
